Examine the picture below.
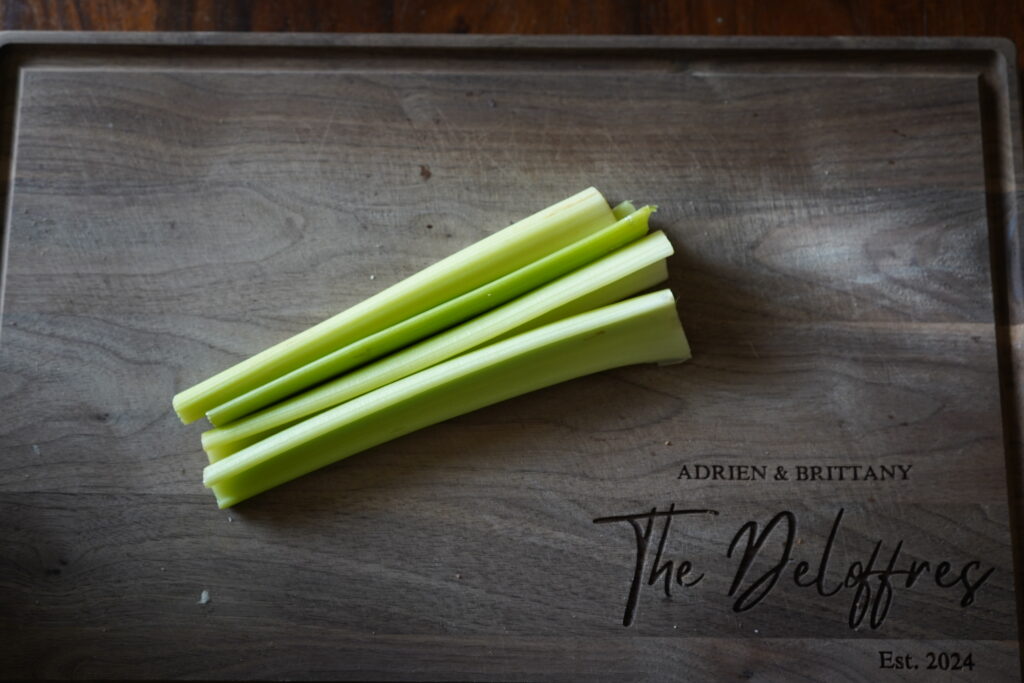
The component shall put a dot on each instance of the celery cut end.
(186, 413)
(623, 209)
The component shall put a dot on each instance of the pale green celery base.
(441, 317)
(499, 254)
(639, 330)
(469, 335)
(634, 283)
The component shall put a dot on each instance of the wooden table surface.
(1003, 18)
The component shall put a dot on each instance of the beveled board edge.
(994, 60)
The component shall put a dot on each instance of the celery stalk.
(512, 316)
(499, 254)
(452, 312)
(639, 330)
(643, 279)
(634, 283)
(625, 208)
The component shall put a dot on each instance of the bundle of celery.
(540, 302)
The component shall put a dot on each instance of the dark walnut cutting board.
(827, 491)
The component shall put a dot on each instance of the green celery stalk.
(625, 208)
(641, 280)
(639, 330)
(634, 283)
(452, 312)
(492, 257)
(512, 316)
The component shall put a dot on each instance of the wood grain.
(173, 212)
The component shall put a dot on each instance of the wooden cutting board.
(848, 271)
